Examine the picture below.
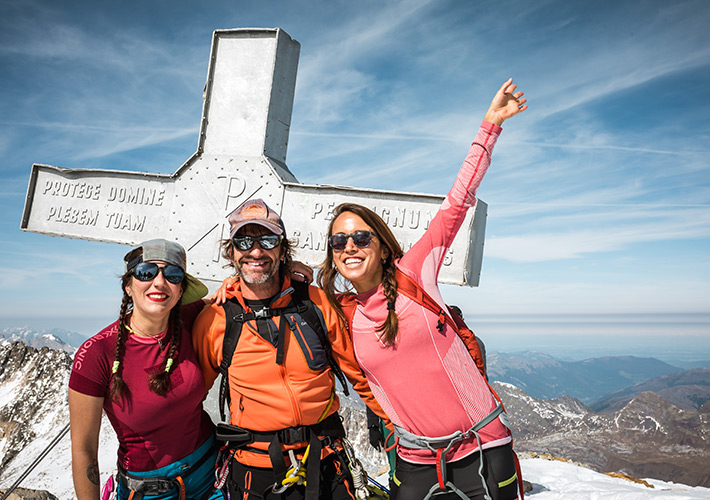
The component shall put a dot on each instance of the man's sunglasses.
(266, 241)
(147, 271)
(339, 241)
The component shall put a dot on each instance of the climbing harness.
(305, 471)
(441, 446)
(140, 486)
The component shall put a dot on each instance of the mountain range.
(54, 339)
(544, 376)
(688, 390)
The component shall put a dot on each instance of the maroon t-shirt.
(153, 431)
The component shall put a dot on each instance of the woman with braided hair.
(142, 371)
(451, 442)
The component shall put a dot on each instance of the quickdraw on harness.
(305, 471)
(300, 306)
(140, 487)
(365, 487)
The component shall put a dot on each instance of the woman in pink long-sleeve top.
(420, 371)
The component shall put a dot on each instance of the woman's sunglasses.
(147, 271)
(339, 241)
(266, 241)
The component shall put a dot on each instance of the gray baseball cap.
(170, 252)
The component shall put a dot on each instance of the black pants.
(498, 470)
(254, 483)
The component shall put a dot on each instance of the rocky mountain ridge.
(63, 340)
(688, 390)
(33, 411)
(648, 437)
(539, 374)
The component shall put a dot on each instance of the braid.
(326, 281)
(118, 386)
(160, 381)
(388, 329)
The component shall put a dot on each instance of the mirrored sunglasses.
(339, 241)
(266, 241)
(147, 271)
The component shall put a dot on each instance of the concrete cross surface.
(241, 154)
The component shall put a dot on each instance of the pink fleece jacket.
(428, 383)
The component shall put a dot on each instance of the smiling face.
(257, 267)
(361, 266)
(153, 300)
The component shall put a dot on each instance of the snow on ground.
(554, 480)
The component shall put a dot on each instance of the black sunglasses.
(147, 271)
(266, 241)
(339, 241)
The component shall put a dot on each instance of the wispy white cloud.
(604, 235)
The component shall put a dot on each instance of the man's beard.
(259, 278)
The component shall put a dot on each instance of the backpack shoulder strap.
(414, 291)
(306, 309)
(411, 289)
(474, 345)
(234, 320)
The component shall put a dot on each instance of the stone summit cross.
(241, 154)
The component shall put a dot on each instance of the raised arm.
(506, 103)
(424, 260)
(85, 419)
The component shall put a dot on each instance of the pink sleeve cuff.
(491, 127)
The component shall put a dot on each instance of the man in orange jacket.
(283, 406)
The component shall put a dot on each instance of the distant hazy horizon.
(678, 339)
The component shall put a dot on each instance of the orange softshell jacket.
(266, 396)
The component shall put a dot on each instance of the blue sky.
(599, 194)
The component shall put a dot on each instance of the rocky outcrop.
(25, 494)
(648, 437)
(31, 381)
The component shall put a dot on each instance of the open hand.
(220, 296)
(506, 103)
